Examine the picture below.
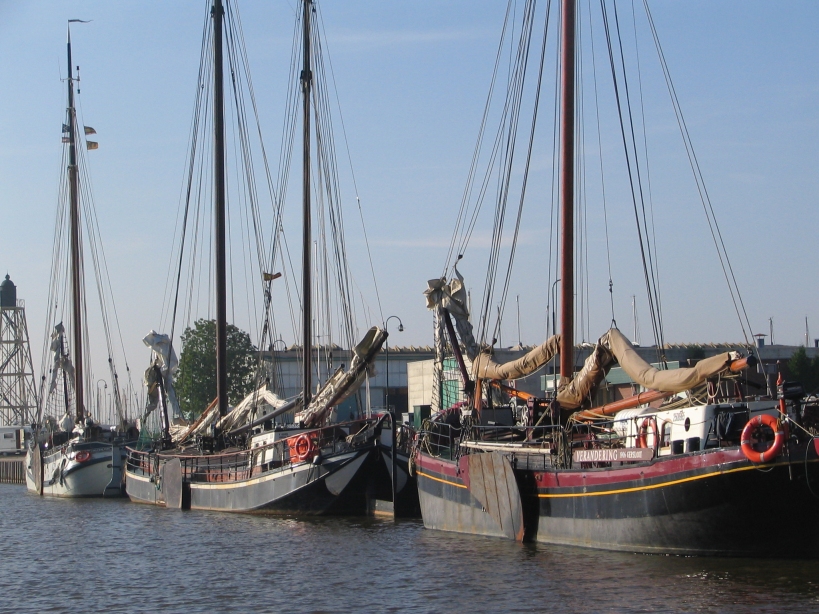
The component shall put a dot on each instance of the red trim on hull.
(664, 466)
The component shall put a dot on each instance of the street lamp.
(387, 401)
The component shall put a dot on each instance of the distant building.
(284, 368)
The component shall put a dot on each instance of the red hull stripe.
(661, 484)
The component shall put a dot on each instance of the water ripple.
(115, 556)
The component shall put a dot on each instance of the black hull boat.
(711, 502)
(267, 454)
(404, 503)
(314, 472)
(700, 458)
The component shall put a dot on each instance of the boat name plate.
(612, 455)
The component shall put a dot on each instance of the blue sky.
(412, 80)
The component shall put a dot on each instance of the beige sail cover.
(585, 381)
(613, 346)
(486, 368)
(675, 380)
(610, 347)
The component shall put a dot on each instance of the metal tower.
(18, 392)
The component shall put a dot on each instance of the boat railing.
(439, 439)
(444, 440)
(218, 467)
(241, 464)
(139, 461)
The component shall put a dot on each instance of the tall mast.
(76, 281)
(567, 190)
(307, 312)
(219, 205)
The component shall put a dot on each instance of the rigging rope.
(705, 199)
(632, 165)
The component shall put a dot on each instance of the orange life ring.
(642, 433)
(779, 438)
(82, 456)
(303, 447)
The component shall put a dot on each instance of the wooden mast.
(567, 190)
(76, 281)
(307, 311)
(217, 14)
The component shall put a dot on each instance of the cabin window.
(665, 435)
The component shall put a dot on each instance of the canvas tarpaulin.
(486, 368)
(676, 380)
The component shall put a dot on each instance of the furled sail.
(343, 384)
(610, 348)
(676, 380)
(258, 402)
(572, 394)
(452, 297)
(61, 360)
(164, 358)
(484, 367)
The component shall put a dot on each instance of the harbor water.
(116, 556)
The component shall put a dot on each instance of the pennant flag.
(66, 139)
(66, 128)
(89, 130)
(271, 276)
(91, 145)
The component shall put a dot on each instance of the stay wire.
(504, 145)
(648, 167)
(352, 173)
(716, 234)
(626, 150)
(527, 166)
(461, 233)
(653, 290)
(602, 173)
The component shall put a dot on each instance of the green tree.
(804, 370)
(195, 380)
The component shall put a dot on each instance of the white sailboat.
(75, 456)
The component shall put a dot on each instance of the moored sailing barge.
(693, 465)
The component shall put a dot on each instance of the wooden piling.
(12, 470)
